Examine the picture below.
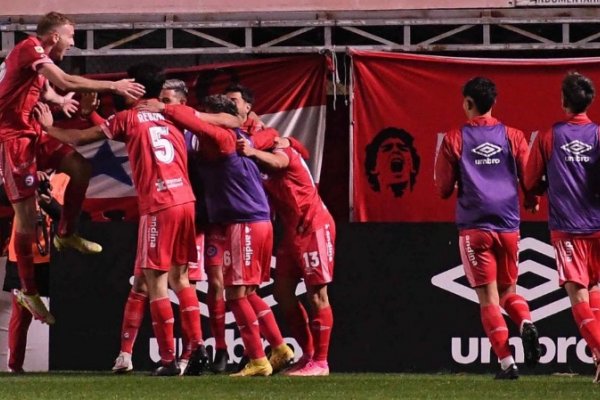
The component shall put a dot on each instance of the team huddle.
(202, 180)
(488, 161)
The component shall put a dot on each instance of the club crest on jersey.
(576, 150)
(487, 150)
(29, 180)
(211, 251)
(39, 49)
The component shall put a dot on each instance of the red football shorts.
(196, 268)
(18, 167)
(243, 249)
(166, 238)
(578, 260)
(50, 152)
(489, 256)
(309, 255)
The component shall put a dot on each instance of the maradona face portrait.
(392, 162)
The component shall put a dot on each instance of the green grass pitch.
(337, 386)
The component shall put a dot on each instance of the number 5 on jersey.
(163, 148)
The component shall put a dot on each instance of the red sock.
(20, 319)
(248, 325)
(496, 330)
(189, 311)
(588, 326)
(595, 303)
(320, 326)
(132, 319)
(23, 244)
(266, 320)
(162, 324)
(216, 316)
(73, 199)
(297, 320)
(516, 307)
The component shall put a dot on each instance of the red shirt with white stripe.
(158, 158)
(20, 88)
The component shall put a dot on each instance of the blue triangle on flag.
(105, 162)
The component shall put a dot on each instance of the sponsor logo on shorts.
(569, 250)
(247, 246)
(211, 250)
(153, 231)
(29, 180)
(487, 150)
(329, 244)
(576, 150)
(470, 252)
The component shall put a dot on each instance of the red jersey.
(21, 87)
(294, 195)
(158, 158)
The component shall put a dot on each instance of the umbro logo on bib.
(487, 150)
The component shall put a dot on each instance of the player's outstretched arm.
(67, 104)
(75, 137)
(67, 82)
(221, 119)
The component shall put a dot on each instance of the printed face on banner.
(392, 162)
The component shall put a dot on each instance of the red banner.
(414, 99)
(289, 96)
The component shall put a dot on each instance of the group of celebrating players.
(208, 183)
(202, 180)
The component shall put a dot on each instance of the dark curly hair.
(217, 103)
(373, 147)
(578, 92)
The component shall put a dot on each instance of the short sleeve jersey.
(158, 158)
(20, 88)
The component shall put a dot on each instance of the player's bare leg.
(28, 297)
(79, 171)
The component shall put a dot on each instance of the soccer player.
(486, 160)
(306, 250)
(174, 91)
(244, 99)
(166, 237)
(564, 162)
(20, 317)
(23, 81)
(239, 237)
